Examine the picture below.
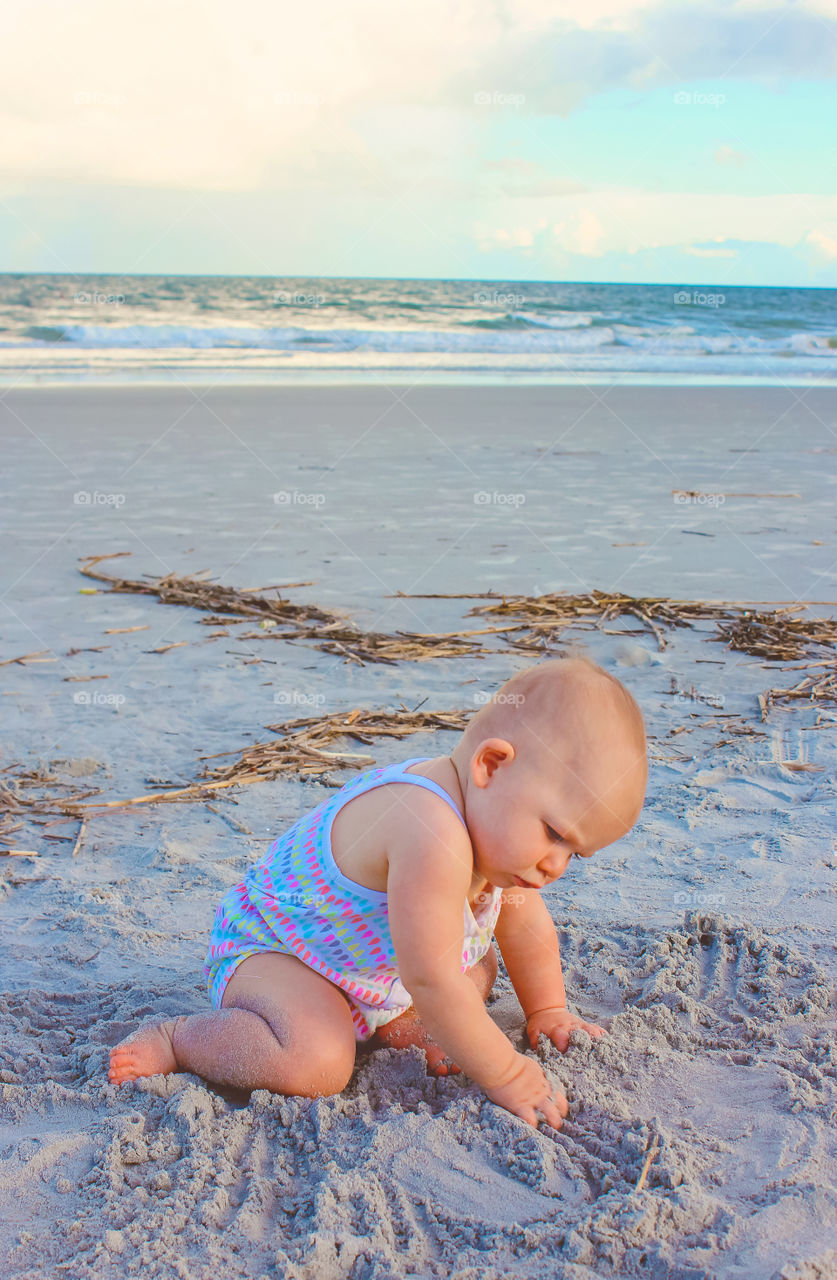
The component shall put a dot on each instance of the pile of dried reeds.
(811, 689)
(780, 636)
(301, 750)
(283, 620)
(535, 623)
(22, 800)
(212, 597)
(545, 617)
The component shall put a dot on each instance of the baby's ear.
(488, 757)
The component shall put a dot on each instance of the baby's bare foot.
(147, 1052)
(407, 1029)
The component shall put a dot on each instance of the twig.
(652, 1152)
(81, 833)
(28, 657)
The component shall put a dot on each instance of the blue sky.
(526, 139)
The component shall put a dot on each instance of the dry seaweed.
(210, 596)
(535, 623)
(545, 617)
(779, 635)
(811, 689)
(301, 750)
(283, 620)
(22, 796)
(776, 634)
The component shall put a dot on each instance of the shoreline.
(420, 377)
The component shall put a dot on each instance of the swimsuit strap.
(396, 773)
(428, 783)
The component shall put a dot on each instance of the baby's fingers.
(593, 1029)
(554, 1109)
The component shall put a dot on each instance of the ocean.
(207, 329)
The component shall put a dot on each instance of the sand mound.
(720, 1054)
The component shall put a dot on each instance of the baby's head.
(554, 765)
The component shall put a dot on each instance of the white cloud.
(710, 251)
(728, 155)
(565, 62)
(587, 235)
(261, 95)
(524, 179)
(703, 225)
(490, 239)
(823, 243)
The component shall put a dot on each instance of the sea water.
(66, 327)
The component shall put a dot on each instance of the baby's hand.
(557, 1025)
(530, 1091)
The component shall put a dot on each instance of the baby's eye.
(553, 834)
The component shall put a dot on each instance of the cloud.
(587, 235)
(523, 179)
(713, 225)
(490, 239)
(259, 96)
(564, 63)
(825, 245)
(710, 251)
(728, 155)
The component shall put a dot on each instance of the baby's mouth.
(525, 884)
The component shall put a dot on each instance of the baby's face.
(527, 820)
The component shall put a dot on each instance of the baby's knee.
(484, 972)
(314, 1070)
(489, 964)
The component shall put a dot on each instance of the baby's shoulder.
(393, 821)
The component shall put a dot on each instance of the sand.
(704, 941)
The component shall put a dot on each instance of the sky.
(609, 140)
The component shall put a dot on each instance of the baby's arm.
(430, 868)
(529, 946)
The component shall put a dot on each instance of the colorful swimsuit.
(298, 902)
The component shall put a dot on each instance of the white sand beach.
(704, 941)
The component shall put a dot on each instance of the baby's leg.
(408, 1028)
(282, 1027)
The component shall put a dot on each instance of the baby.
(350, 928)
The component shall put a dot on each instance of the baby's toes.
(438, 1063)
(122, 1065)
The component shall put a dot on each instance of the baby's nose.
(554, 865)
